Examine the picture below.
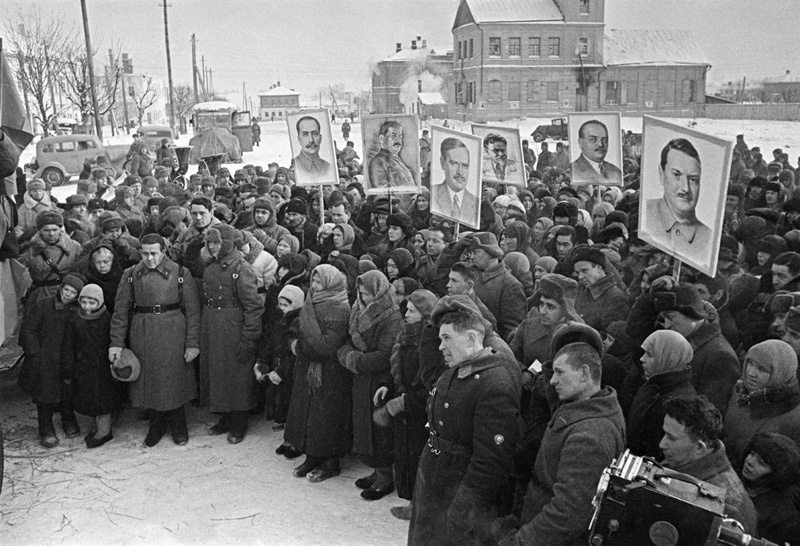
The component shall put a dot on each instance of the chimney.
(398, 47)
(413, 44)
(419, 38)
(424, 44)
(419, 86)
(788, 72)
(279, 84)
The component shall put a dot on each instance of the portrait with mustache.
(387, 168)
(591, 166)
(672, 219)
(310, 168)
(451, 198)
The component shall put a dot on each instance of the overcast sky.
(308, 44)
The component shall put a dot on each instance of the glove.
(382, 417)
(351, 362)
(194, 247)
(246, 351)
(122, 244)
(380, 394)
(275, 378)
(396, 405)
(113, 353)
(464, 242)
(259, 376)
(662, 284)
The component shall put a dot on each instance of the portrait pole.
(458, 228)
(676, 270)
(599, 196)
(321, 205)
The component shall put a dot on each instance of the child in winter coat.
(41, 336)
(278, 359)
(86, 366)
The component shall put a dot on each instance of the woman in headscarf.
(374, 324)
(420, 211)
(287, 244)
(400, 263)
(539, 235)
(405, 398)
(666, 363)
(771, 476)
(516, 238)
(400, 232)
(420, 241)
(520, 268)
(319, 412)
(766, 398)
(541, 267)
(599, 213)
(343, 237)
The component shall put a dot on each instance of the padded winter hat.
(111, 220)
(486, 241)
(122, 192)
(75, 280)
(585, 253)
(132, 179)
(548, 263)
(565, 209)
(685, 299)
(423, 301)
(284, 191)
(239, 174)
(263, 203)
(92, 291)
(297, 206)
(35, 184)
(262, 185)
(781, 453)
(403, 221)
(127, 367)
(559, 288)
(78, 199)
(48, 218)
(576, 332)
(457, 303)
(294, 294)
(774, 186)
(161, 172)
(617, 216)
(221, 233)
(87, 186)
(611, 232)
(97, 204)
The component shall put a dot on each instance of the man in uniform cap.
(472, 417)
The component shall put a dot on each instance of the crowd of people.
(487, 376)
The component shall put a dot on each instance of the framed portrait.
(456, 175)
(683, 186)
(313, 151)
(391, 153)
(503, 161)
(595, 148)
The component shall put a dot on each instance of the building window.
(650, 93)
(584, 5)
(613, 92)
(458, 52)
(689, 91)
(534, 47)
(472, 95)
(514, 91)
(632, 89)
(471, 50)
(551, 91)
(554, 47)
(515, 47)
(495, 91)
(583, 46)
(667, 92)
(531, 91)
(494, 47)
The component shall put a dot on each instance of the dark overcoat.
(474, 417)
(230, 317)
(159, 341)
(319, 422)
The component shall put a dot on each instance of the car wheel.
(53, 175)
(538, 137)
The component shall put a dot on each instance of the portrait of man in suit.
(672, 220)
(451, 197)
(591, 166)
(495, 158)
(309, 167)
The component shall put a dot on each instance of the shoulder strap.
(133, 287)
(53, 267)
(181, 276)
(236, 268)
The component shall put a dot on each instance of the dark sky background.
(309, 44)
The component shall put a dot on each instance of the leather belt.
(156, 309)
(54, 282)
(439, 445)
(220, 304)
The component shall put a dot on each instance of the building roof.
(652, 47)
(507, 11)
(787, 77)
(215, 106)
(278, 91)
(431, 99)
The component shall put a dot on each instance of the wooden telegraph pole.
(90, 65)
(194, 69)
(169, 69)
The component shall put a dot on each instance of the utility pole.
(90, 65)
(211, 79)
(169, 68)
(244, 97)
(194, 69)
(125, 63)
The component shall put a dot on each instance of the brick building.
(278, 101)
(398, 79)
(515, 58)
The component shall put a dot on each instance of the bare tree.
(77, 88)
(38, 50)
(183, 100)
(144, 98)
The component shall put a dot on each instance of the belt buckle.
(434, 450)
(156, 309)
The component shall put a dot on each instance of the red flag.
(13, 119)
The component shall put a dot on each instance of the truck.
(557, 130)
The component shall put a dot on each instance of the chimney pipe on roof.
(419, 38)
(413, 44)
(279, 84)
(788, 72)
(398, 47)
